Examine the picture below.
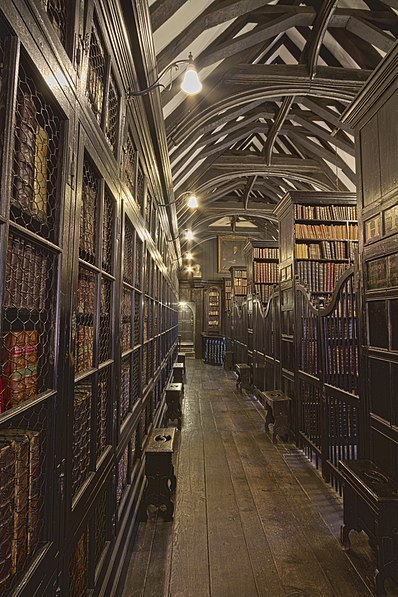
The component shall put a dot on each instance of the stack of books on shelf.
(87, 216)
(20, 355)
(327, 231)
(265, 253)
(22, 499)
(266, 272)
(84, 347)
(81, 435)
(31, 159)
(26, 276)
(263, 291)
(122, 475)
(325, 212)
(318, 276)
(125, 390)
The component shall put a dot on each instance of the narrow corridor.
(251, 518)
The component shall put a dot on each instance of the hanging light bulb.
(191, 83)
(190, 269)
(189, 235)
(192, 202)
(189, 256)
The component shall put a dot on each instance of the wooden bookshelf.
(227, 294)
(212, 312)
(318, 239)
(238, 284)
(377, 145)
(262, 263)
(89, 301)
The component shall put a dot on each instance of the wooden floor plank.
(251, 519)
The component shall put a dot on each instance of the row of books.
(124, 406)
(309, 355)
(86, 292)
(341, 359)
(31, 159)
(325, 250)
(327, 231)
(125, 340)
(266, 272)
(20, 355)
(318, 276)
(325, 212)
(84, 347)
(88, 211)
(265, 253)
(27, 271)
(22, 499)
(81, 435)
(263, 291)
(122, 475)
(214, 350)
(96, 73)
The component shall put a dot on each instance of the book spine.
(7, 492)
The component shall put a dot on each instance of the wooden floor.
(251, 518)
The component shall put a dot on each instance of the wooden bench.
(174, 393)
(277, 414)
(181, 359)
(243, 372)
(159, 471)
(371, 505)
(178, 373)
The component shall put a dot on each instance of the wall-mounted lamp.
(192, 200)
(191, 84)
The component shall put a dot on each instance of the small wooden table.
(159, 471)
(243, 371)
(277, 415)
(371, 505)
(173, 403)
(178, 373)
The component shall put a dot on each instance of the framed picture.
(230, 252)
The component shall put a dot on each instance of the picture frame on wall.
(230, 252)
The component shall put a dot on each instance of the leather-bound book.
(13, 361)
(31, 362)
(39, 205)
(25, 141)
(7, 494)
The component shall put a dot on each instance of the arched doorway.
(186, 323)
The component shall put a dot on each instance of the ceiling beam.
(248, 189)
(162, 11)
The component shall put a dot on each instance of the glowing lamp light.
(191, 84)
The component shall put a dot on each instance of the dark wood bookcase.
(89, 302)
(213, 310)
(373, 115)
(238, 284)
(262, 264)
(227, 294)
(309, 242)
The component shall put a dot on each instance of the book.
(81, 435)
(13, 364)
(39, 205)
(25, 139)
(7, 467)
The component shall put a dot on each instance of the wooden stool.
(181, 359)
(178, 373)
(159, 471)
(277, 417)
(173, 403)
(371, 505)
(243, 371)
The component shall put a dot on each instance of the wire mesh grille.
(112, 117)
(122, 475)
(145, 318)
(96, 72)
(82, 404)
(105, 335)
(137, 312)
(57, 11)
(135, 393)
(127, 308)
(144, 365)
(101, 525)
(128, 253)
(28, 322)
(104, 400)
(79, 568)
(34, 202)
(125, 389)
(140, 191)
(107, 233)
(85, 312)
(23, 489)
(150, 359)
(138, 263)
(89, 209)
(150, 318)
(133, 448)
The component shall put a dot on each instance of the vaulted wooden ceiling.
(277, 75)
